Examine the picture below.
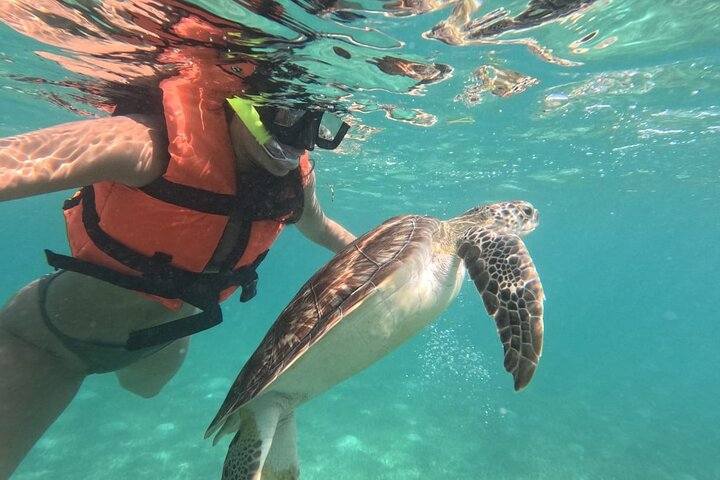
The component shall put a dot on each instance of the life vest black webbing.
(192, 198)
(158, 276)
(197, 289)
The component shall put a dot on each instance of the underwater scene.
(603, 114)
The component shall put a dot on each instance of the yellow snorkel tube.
(249, 116)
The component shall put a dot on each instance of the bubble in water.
(451, 359)
(452, 365)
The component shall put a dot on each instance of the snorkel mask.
(278, 127)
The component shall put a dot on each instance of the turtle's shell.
(333, 292)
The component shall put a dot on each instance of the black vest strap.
(156, 274)
(198, 289)
(270, 198)
(201, 290)
(170, 331)
(191, 198)
(157, 264)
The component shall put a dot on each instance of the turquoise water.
(619, 155)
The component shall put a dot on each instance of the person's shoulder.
(131, 123)
(149, 120)
(138, 154)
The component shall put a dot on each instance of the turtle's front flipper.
(259, 425)
(505, 276)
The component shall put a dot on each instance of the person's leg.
(35, 385)
(123, 311)
(149, 375)
(40, 373)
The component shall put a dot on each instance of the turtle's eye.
(527, 211)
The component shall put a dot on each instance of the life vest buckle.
(249, 291)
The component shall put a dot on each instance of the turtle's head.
(516, 217)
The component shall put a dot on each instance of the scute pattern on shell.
(505, 276)
(332, 293)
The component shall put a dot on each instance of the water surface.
(605, 115)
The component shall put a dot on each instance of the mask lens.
(287, 117)
(331, 131)
(329, 126)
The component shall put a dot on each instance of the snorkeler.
(174, 214)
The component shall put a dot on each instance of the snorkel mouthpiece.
(249, 116)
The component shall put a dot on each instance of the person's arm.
(316, 226)
(131, 150)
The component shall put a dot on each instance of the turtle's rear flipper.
(264, 447)
(505, 276)
(282, 461)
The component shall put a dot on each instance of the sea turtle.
(371, 297)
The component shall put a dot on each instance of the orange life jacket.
(161, 239)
